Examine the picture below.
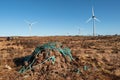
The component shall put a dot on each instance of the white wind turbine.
(79, 31)
(93, 18)
(30, 26)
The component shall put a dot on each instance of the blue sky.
(58, 17)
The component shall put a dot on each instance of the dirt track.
(96, 58)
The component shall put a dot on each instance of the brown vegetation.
(96, 58)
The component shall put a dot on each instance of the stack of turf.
(48, 58)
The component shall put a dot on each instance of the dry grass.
(100, 54)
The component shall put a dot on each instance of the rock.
(8, 67)
(26, 76)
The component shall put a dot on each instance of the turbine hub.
(93, 16)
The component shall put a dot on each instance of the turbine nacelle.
(93, 17)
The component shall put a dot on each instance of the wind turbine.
(30, 25)
(79, 31)
(94, 19)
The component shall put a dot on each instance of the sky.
(58, 17)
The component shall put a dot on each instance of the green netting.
(48, 46)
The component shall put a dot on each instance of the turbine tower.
(30, 26)
(79, 31)
(94, 19)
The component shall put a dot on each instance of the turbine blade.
(88, 20)
(27, 21)
(97, 20)
(93, 12)
(33, 23)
